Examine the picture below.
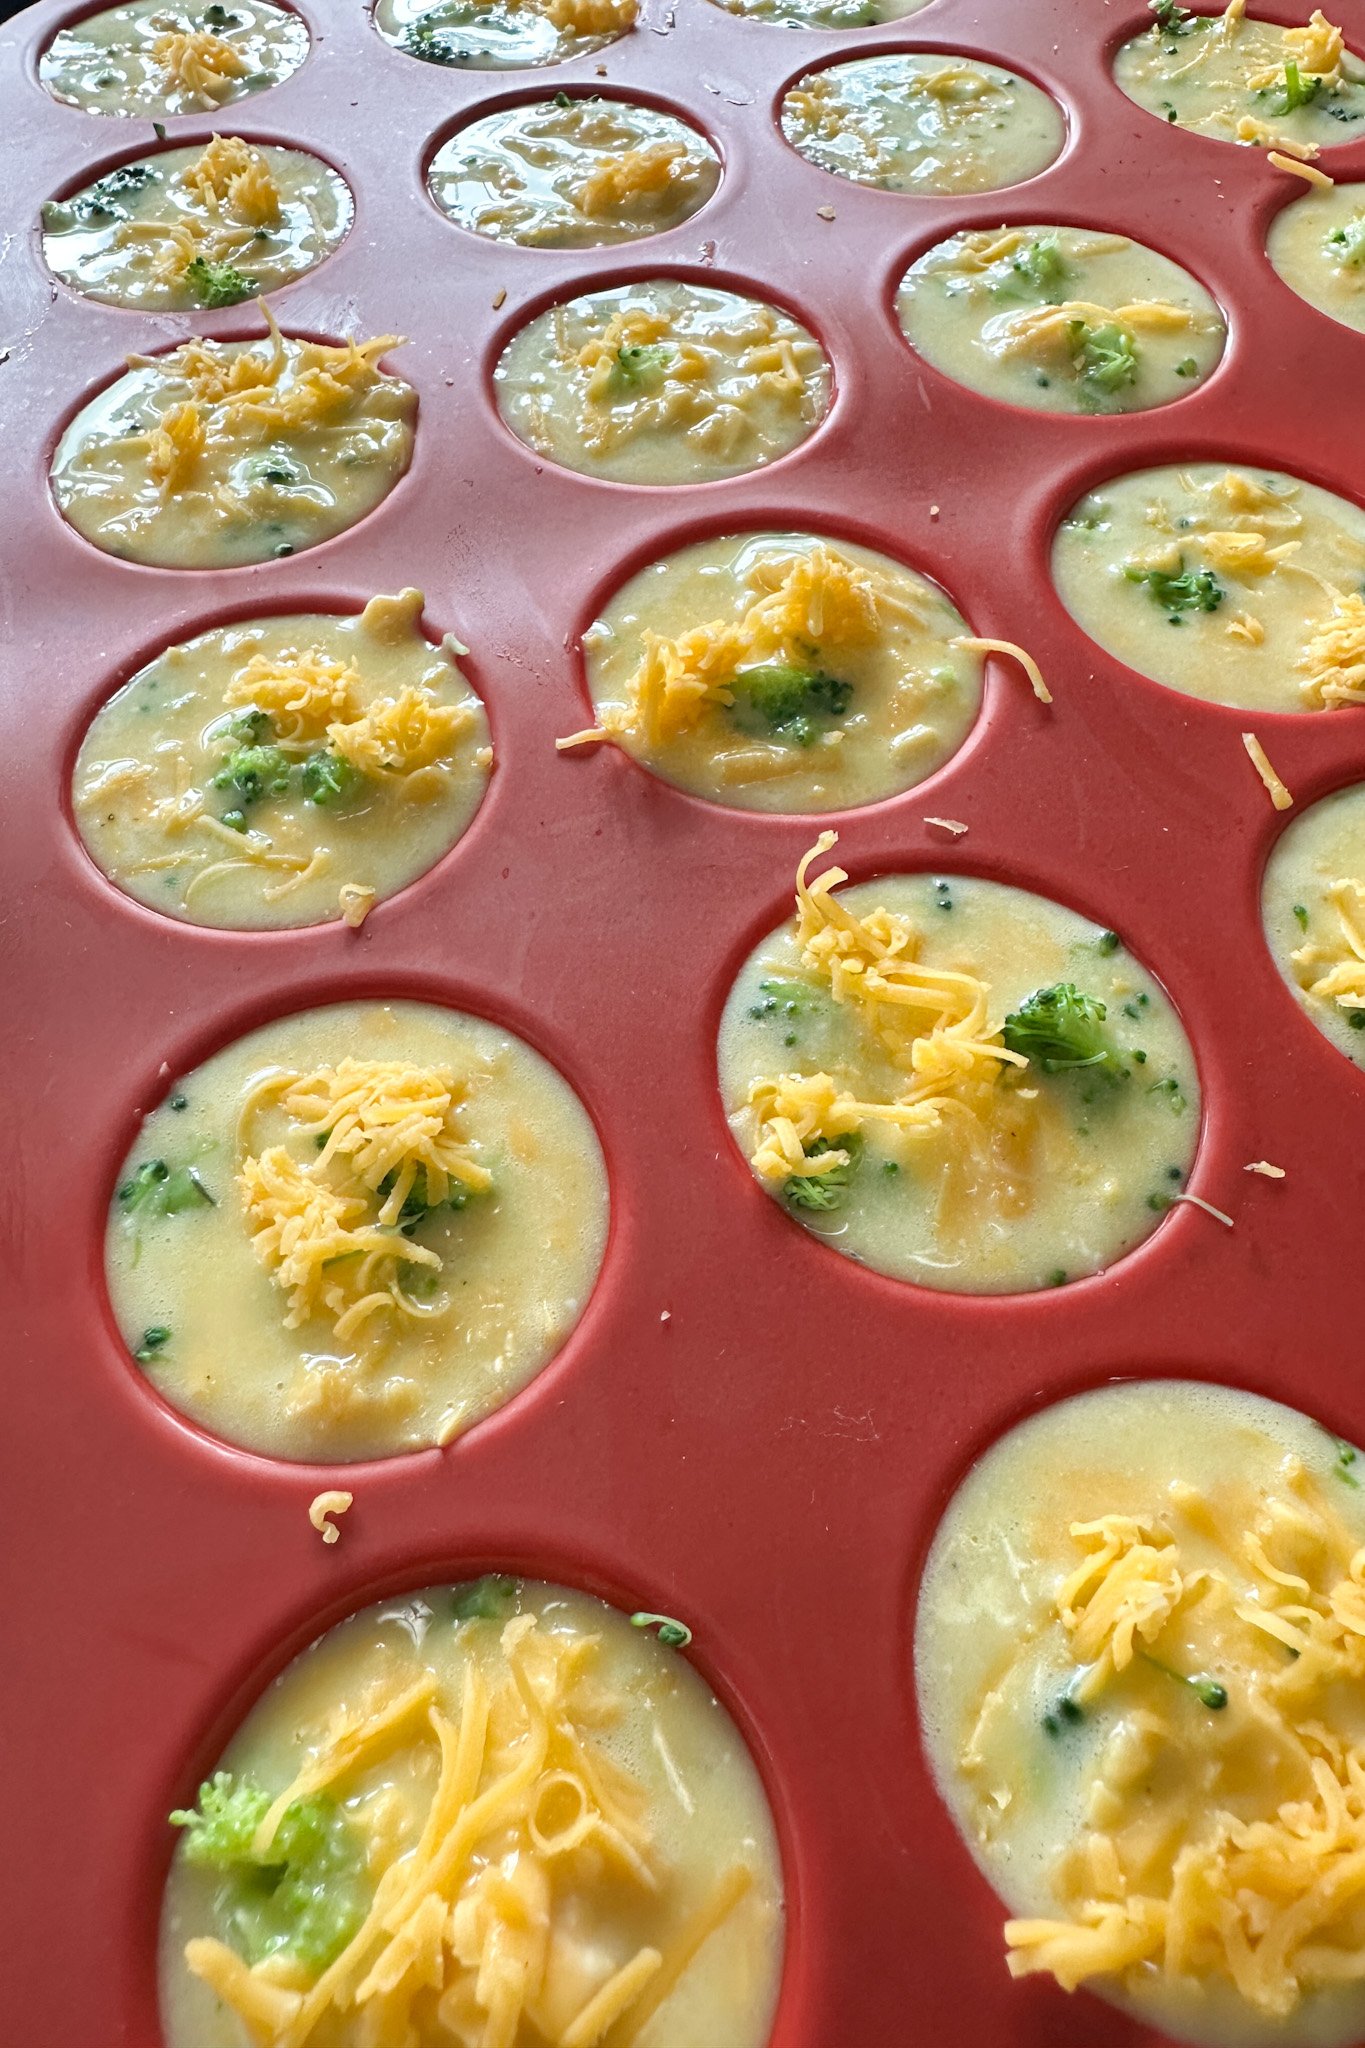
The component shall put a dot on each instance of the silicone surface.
(744, 1429)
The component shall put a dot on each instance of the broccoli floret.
(154, 1339)
(217, 284)
(1179, 590)
(156, 1189)
(101, 202)
(219, 1830)
(251, 726)
(1039, 267)
(492, 1598)
(417, 1203)
(1347, 244)
(329, 778)
(638, 369)
(784, 702)
(825, 1190)
(1298, 90)
(253, 773)
(1104, 358)
(421, 40)
(304, 1895)
(1061, 1030)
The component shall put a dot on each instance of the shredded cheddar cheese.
(324, 1507)
(463, 1929)
(1264, 1167)
(175, 447)
(821, 599)
(303, 692)
(654, 168)
(930, 1023)
(1334, 971)
(232, 175)
(199, 62)
(972, 644)
(1332, 661)
(273, 387)
(1259, 1882)
(1307, 171)
(330, 1231)
(395, 736)
(590, 17)
(1260, 761)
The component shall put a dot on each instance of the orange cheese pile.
(930, 1023)
(199, 62)
(327, 1230)
(499, 1917)
(1222, 1844)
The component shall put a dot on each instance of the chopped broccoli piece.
(1187, 367)
(421, 40)
(790, 998)
(1347, 244)
(1346, 1456)
(1107, 942)
(1170, 18)
(1062, 1030)
(825, 1190)
(1104, 358)
(273, 468)
(1038, 267)
(1298, 90)
(784, 702)
(492, 1598)
(219, 1830)
(1301, 916)
(1179, 590)
(1066, 1713)
(417, 1203)
(561, 99)
(254, 773)
(252, 726)
(101, 201)
(1208, 1691)
(305, 1895)
(638, 369)
(156, 1189)
(219, 17)
(329, 778)
(217, 284)
(154, 1339)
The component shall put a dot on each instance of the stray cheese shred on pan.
(324, 1507)
(1260, 761)
(973, 645)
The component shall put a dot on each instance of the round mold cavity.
(363, 1442)
(209, 108)
(1177, 659)
(1297, 248)
(1125, 37)
(823, 15)
(402, 24)
(411, 1607)
(1312, 903)
(771, 1019)
(493, 111)
(1127, 1435)
(93, 174)
(479, 1573)
(843, 73)
(665, 553)
(100, 396)
(695, 281)
(986, 347)
(136, 859)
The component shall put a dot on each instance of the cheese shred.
(973, 645)
(1260, 761)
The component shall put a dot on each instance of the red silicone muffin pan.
(744, 1429)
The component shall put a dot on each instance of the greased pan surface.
(744, 1429)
